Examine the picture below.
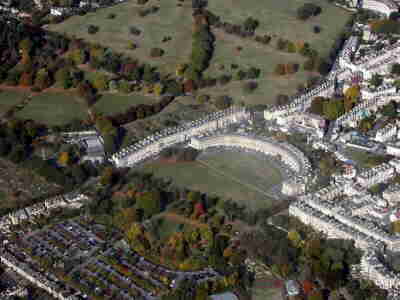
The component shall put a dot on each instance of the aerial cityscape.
(200, 149)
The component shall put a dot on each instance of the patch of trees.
(308, 10)
(286, 69)
(140, 111)
(330, 109)
(156, 52)
(17, 144)
(179, 154)
(202, 47)
(92, 29)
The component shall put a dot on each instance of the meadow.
(170, 20)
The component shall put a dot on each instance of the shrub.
(156, 52)
(249, 87)
(224, 79)
(203, 98)
(316, 29)
(308, 10)
(250, 24)
(142, 2)
(92, 29)
(223, 102)
(111, 16)
(135, 31)
(132, 46)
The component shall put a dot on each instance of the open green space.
(170, 20)
(8, 99)
(111, 103)
(243, 177)
(277, 19)
(53, 109)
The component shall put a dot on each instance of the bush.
(111, 16)
(156, 52)
(308, 10)
(92, 29)
(134, 31)
(223, 102)
(224, 79)
(316, 29)
(249, 87)
(203, 98)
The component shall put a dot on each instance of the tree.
(317, 106)
(249, 87)
(150, 202)
(395, 69)
(203, 98)
(376, 80)
(223, 102)
(156, 52)
(124, 86)
(63, 159)
(78, 56)
(351, 96)
(280, 69)
(42, 80)
(63, 77)
(100, 82)
(107, 176)
(26, 79)
(180, 70)
(308, 10)
(250, 24)
(149, 75)
(92, 29)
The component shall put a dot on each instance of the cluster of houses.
(347, 210)
(152, 145)
(72, 200)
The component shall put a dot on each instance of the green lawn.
(110, 103)
(243, 177)
(8, 99)
(276, 18)
(170, 20)
(53, 109)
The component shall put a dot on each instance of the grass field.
(276, 18)
(8, 99)
(170, 20)
(53, 109)
(241, 176)
(110, 103)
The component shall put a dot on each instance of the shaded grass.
(53, 109)
(110, 103)
(8, 99)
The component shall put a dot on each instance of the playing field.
(244, 177)
(53, 109)
(170, 20)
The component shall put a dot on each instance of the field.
(243, 177)
(170, 20)
(9, 99)
(110, 103)
(53, 109)
(277, 18)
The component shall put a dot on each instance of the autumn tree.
(42, 80)
(158, 89)
(351, 96)
(280, 69)
(100, 82)
(150, 202)
(63, 159)
(63, 77)
(26, 79)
